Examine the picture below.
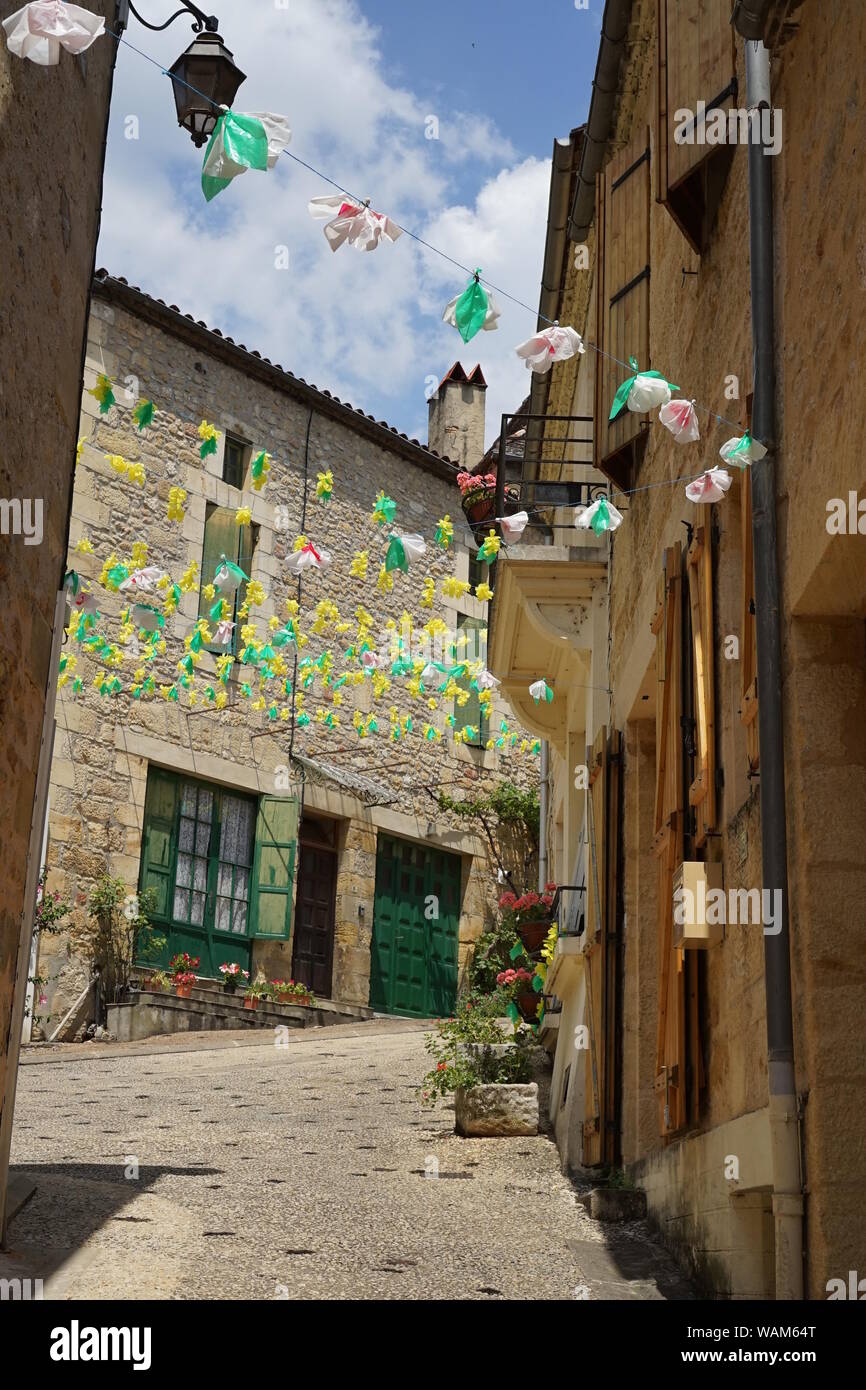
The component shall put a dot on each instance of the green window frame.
(469, 715)
(236, 455)
(479, 572)
(223, 536)
(222, 864)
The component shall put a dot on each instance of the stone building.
(660, 1045)
(272, 837)
(52, 141)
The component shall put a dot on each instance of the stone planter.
(617, 1203)
(496, 1111)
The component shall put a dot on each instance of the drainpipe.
(784, 1139)
(542, 815)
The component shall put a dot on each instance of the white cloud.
(365, 326)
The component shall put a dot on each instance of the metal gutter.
(566, 154)
(750, 17)
(614, 31)
(781, 1081)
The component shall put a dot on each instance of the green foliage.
(49, 918)
(116, 931)
(492, 956)
(617, 1177)
(462, 1052)
(508, 804)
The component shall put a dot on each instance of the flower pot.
(250, 1003)
(532, 934)
(183, 991)
(480, 506)
(229, 987)
(527, 1002)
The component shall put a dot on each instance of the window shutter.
(158, 840)
(702, 793)
(748, 638)
(274, 866)
(599, 960)
(470, 715)
(622, 301)
(670, 1081)
(223, 536)
(696, 62)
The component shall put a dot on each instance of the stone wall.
(104, 743)
(52, 127)
(700, 336)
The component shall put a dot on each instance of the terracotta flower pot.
(532, 934)
(183, 991)
(251, 1002)
(527, 1002)
(480, 506)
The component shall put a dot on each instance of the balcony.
(548, 614)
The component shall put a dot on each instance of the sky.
(364, 84)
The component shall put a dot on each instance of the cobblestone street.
(295, 1171)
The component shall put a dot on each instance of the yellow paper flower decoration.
(243, 516)
(358, 567)
(176, 499)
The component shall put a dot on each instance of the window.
(696, 63)
(478, 572)
(622, 303)
(224, 538)
(221, 864)
(235, 459)
(468, 716)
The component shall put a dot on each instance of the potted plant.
(488, 1075)
(519, 983)
(161, 981)
(258, 990)
(290, 992)
(478, 496)
(232, 975)
(529, 915)
(182, 967)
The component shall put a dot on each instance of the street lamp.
(204, 78)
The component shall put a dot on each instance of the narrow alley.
(301, 1171)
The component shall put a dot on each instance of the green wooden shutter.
(158, 840)
(220, 538)
(274, 866)
(223, 536)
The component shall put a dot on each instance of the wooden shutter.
(670, 1080)
(748, 634)
(622, 300)
(158, 840)
(223, 536)
(702, 793)
(600, 954)
(696, 62)
(274, 866)
(470, 715)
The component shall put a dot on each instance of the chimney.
(455, 420)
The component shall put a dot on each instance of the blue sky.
(358, 81)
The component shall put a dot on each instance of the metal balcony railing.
(527, 446)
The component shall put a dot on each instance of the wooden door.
(416, 915)
(313, 948)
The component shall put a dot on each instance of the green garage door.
(415, 922)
